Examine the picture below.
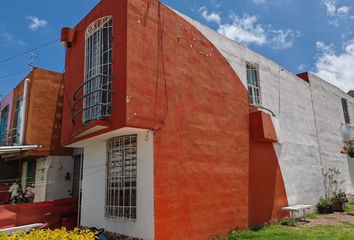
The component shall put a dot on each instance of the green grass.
(279, 232)
(312, 216)
(349, 208)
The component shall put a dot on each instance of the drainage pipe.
(24, 111)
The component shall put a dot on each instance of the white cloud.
(258, 2)
(34, 23)
(281, 39)
(336, 12)
(246, 30)
(302, 67)
(336, 68)
(343, 10)
(331, 7)
(210, 17)
(9, 38)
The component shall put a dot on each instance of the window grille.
(254, 90)
(345, 111)
(97, 98)
(121, 178)
(3, 126)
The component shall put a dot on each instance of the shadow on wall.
(266, 185)
(55, 147)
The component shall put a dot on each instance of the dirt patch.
(334, 219)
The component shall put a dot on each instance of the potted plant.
(324, 206)
(338, 202)
(349, 149)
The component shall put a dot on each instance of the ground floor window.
(121, 177)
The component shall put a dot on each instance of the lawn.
(279, 232)
(342, 231)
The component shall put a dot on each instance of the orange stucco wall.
(75, 64)
(267, 193)
(201, 150)
(44, 108)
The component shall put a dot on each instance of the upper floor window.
(345, 111)
(3, 125)
(254, 90)
(97, 98)
(18, 121)
(121, 177)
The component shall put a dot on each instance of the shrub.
(58, 234)
(324, 206)
(338, 201)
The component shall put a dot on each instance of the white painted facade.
(331, 128)
(50, 178)
(94, 182)
(289, 98)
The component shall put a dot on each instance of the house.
(30, 150)
(5, 121)
(185, 133)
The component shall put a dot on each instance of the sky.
(300, 35)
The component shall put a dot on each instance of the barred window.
(98, 70)
(345, 111)
(121, 178)
(254, 90)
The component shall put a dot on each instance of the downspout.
(24, 111)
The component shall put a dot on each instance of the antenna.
(33, 56)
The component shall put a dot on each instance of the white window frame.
(121, 178)
(254, 98)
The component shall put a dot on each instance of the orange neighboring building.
(30, 148)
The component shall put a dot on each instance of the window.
(3, 126)
(254, 91)
(18, 121)
(97, 99)
(121, 178)
(345, 111)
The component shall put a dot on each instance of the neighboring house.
(334, 116)
(10, 172)
(5, 113)
(30, 148)
(186, 134)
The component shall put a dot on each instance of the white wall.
(289, 97)
(57, 186)
(331, 128)
(94, 181)
(50, 178)
(41, 179)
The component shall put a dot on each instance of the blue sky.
(301, 35)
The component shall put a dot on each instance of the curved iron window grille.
(97, 87)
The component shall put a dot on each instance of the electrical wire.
(12, 74)
(160, 58)
(28, 51)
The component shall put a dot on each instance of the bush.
(58, 234)
(324, 206)
(338, 201)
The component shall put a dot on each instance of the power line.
(12, 74)
(28, 51)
